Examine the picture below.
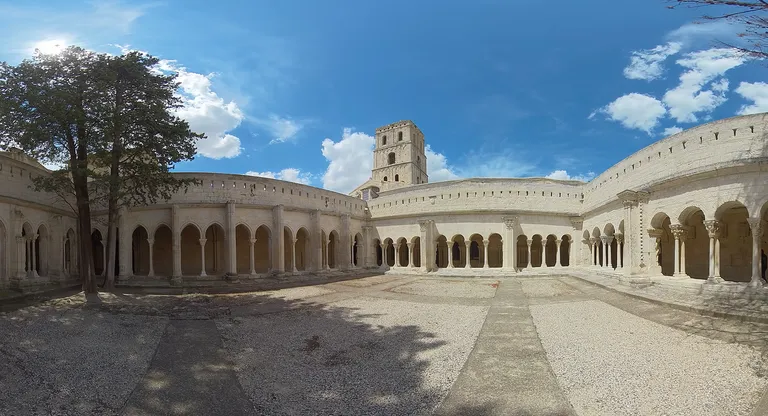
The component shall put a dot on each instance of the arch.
(384, 140)
(4, 275)
(379, 252)
(389, 254)
(495, 251)
(191, 260)
(140, 251)
(550, 251)
(288, 245)
(385, 179)
(441, 252)
(416, 252)
(357, 250)
(696, 246)
(522, 251)
(458, 251)
(97, 248)
(595, 232)
(609, 229)
(42, 248)
(302, 249)
(735, 255)
(391, 158)
(397, 178)
(70, 250)
(262, 249)
(664, 247)
(216, 253)
(476, 251)
(687, 212)
(658, 220)
(333, 250)
(402, 252)
(162, 251)
(537, 251)
(243, 249)
(565, 250)
(399, 136)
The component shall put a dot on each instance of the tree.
(748, 14)
(50, 109)
(142, 139)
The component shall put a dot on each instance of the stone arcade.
(691, 206)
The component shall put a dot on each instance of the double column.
(679, 231)
(756, 227)
(713, 231)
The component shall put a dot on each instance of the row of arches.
(475, 251)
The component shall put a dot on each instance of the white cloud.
(437, 166)
(350, 161)
(282, 129)
(646, 64)
(691, 97)
(206, 112)
(287, 174)
(757, 92)
(563, 175)
(700, 35)
(671, 130)
(634, 111)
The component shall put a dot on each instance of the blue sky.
(295, 89)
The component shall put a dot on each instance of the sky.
(294, 90)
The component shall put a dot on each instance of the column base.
(714, 280)
(176, 281)
(756, 283)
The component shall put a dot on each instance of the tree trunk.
(84, 233)
(109, 283)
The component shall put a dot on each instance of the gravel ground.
(610, 362)
(371, 281)
(297, 293)
(362, 356)
(72, 361)
(449, 288)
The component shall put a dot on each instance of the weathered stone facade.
(690, 205)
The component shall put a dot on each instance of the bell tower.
(398, 158)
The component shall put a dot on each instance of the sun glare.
(50, 46)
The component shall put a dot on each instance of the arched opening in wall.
(397, 178)
(620, 245)
(69, 252)
(42, 247)
(215, 250)
(735, 243)
(288, 249)
(441, 252)
(263, 250)
(97, 248)
(383, 140)
(379, 252)
(191, 258)
(302, 249)
(402, 252)
(663, 251)
(522, 251)
(614, 247)
(399, 136)
(458, 251)
(333, 251)
(763, 215)
(243, 249)
(609, 257)
(416, 243)
(385, 179)
(495, 256)
(597, 247)
(3, 252)
(550, 250)
(26, 232)
(695, 243)
(391, 158)
(357, 250)
(389, 248)
(162, 251)
(586, 256)
(565, 250)
(537, 251)
(476, 251)
(139, 252)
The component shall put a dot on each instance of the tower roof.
(401, 123)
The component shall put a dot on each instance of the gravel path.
(610, 362)
(72, 362)
(449, 288)
(359, 356)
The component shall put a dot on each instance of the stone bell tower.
(398, 158)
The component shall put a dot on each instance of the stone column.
(33, 266)
(278, 250)
(151, 242)
(176, 244)
(327, 254)
(410, 255)
(592, 252)
(231, 238)
(656, 235)
(425, 236)
(346, 261)
(293, 255)
(530, 260)
(485, 253)
(450, 254)
(604, 250)
(366, 245)
(397, 256)
(467, 244)
(619, 260)
(316, 242)
(611, 262)
(713, 231)
(509, 245)
(252, 256)
(558, 262)
(202, 256)
(757, 231)
(678, 231)
(123, 254)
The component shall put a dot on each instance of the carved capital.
(678, 231)
(655, 232)
(510, 221)
(202, 241)
(252, 241)
(619, 237)
(150, 241)
(592, 240)
(485, 242)
(410, 245)
(713, 228)
(558, 242)
(607, 239)
(530, 242)
(577, 222)
(424, 225)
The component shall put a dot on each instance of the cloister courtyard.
(385, 344)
